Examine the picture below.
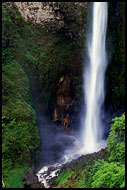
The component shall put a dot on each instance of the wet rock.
(29, 178)
(63, 100)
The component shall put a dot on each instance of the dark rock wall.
(115, 76)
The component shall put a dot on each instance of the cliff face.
(54, 15)
(52, 42)
(115, 76)
(43, 47)
(41, 12)
(48, 39)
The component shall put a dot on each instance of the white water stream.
(92, 128)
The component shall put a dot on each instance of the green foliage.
(82, 170)
(31, 58)
(105, 169)
(15, 83)
(64, 178)
(89, 172)
(20, 137)
(45, 57)
(117, 131)
(16, 141)
(117, 139)
(109, 175)
(14, 179)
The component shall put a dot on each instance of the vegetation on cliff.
(34, 58)
(20, 137)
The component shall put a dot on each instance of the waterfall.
(93, 86)
(92, 127)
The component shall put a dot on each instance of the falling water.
(94, 80)
(94, 96)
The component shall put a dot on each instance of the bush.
(116, 140)
(14, 179)
(64, 177)
(89, 173)
(109, 175)
(16, 141)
